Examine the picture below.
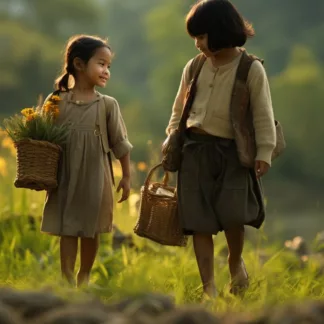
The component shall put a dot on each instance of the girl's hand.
(124, 184)
(261, 168)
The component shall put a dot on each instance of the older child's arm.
(179, 100)
(263, 119)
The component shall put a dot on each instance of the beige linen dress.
(82, 205)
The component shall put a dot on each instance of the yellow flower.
(55, 108)
(56, 112)
(51, 109)
(47, 107)
(55, 98)
(31, 117)
(28, 111)
(142, 166)
(3, 167)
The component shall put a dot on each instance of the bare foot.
(208, 299)
(82, 280)
(210, 292)
(239, 279)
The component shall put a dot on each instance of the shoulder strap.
(196, 65)
(253, 57)
(194, 70)
(103, 106)
(245, 65)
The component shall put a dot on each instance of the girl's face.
(97, 71)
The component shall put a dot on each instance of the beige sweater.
(211, 108)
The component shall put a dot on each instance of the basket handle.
(150, 174)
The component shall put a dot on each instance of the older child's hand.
(261, 168)
(124, 184)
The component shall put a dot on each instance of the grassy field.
(30, 259)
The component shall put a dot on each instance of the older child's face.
(97, 70)
(201, 42)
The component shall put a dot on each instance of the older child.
(216, 192)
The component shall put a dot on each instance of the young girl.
(216, 193)
(82, 205)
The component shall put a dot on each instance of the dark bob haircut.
(222, 22)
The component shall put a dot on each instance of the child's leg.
(89, 249)
(68, 250)
(204, 250)
(235, 242)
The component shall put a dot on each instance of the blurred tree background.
(151, 48)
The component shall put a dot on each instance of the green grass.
(30, 260)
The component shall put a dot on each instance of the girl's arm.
(116, 130)
(119, 144)
(124, 184)
(125, 164)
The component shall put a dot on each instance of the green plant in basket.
(38, 124)
(38, 140)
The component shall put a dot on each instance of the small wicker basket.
(37, 164)
(158, 216)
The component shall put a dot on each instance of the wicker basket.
(37, 164)
(158, 217)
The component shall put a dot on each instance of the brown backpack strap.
(245, 65)
(241, 114)
(194, 70)
(196, 65)
(240, 96)
(104, 108)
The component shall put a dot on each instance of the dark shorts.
(215, 191)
